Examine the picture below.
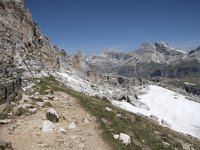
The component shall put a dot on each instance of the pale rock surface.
(48, 126)
(124, 138)
(116, 136)
(108, 109)
(72, 125)
(5, 121)
(61, 130)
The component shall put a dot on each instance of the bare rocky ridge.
(145, 61)
(23, 46)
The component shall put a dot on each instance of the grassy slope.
(145, 133)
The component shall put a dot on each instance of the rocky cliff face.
(190, 64)
(157, 52)
(139, 62)
(22, 45)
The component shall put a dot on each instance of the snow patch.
(177, 112)
(188, 83)
(69, 78)
(184, 52)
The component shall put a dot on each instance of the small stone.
(5, 121)
(47, 91)
(119, 115)
(86, 121)
(56, 99)
(32, 110)
(61, 130)
(47, 126)
(116, 136)
(108, 109)
(20, 111)
(52, 115)
(10, 114)
(12, 104)
(72, 125)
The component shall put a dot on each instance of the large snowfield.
(167, 107)
(178, 113)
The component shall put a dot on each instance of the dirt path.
(25, 132)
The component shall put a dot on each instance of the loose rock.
(5, 121)
(108, 109)
(116, 136)
(86, 121)
(47, 126)
(124, 138)
(52, 115)
(72, 125)
(61, 130)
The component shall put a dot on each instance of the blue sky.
(90, 25)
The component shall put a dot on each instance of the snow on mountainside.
(182, 51)
(157, 52)
(171, 109)
(167, 107)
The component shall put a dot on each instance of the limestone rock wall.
(22, 45)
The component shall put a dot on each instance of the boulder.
(52, 115)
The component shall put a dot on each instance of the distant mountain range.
(151, 59)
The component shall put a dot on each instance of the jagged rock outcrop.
(22, 46)
(76, 60)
